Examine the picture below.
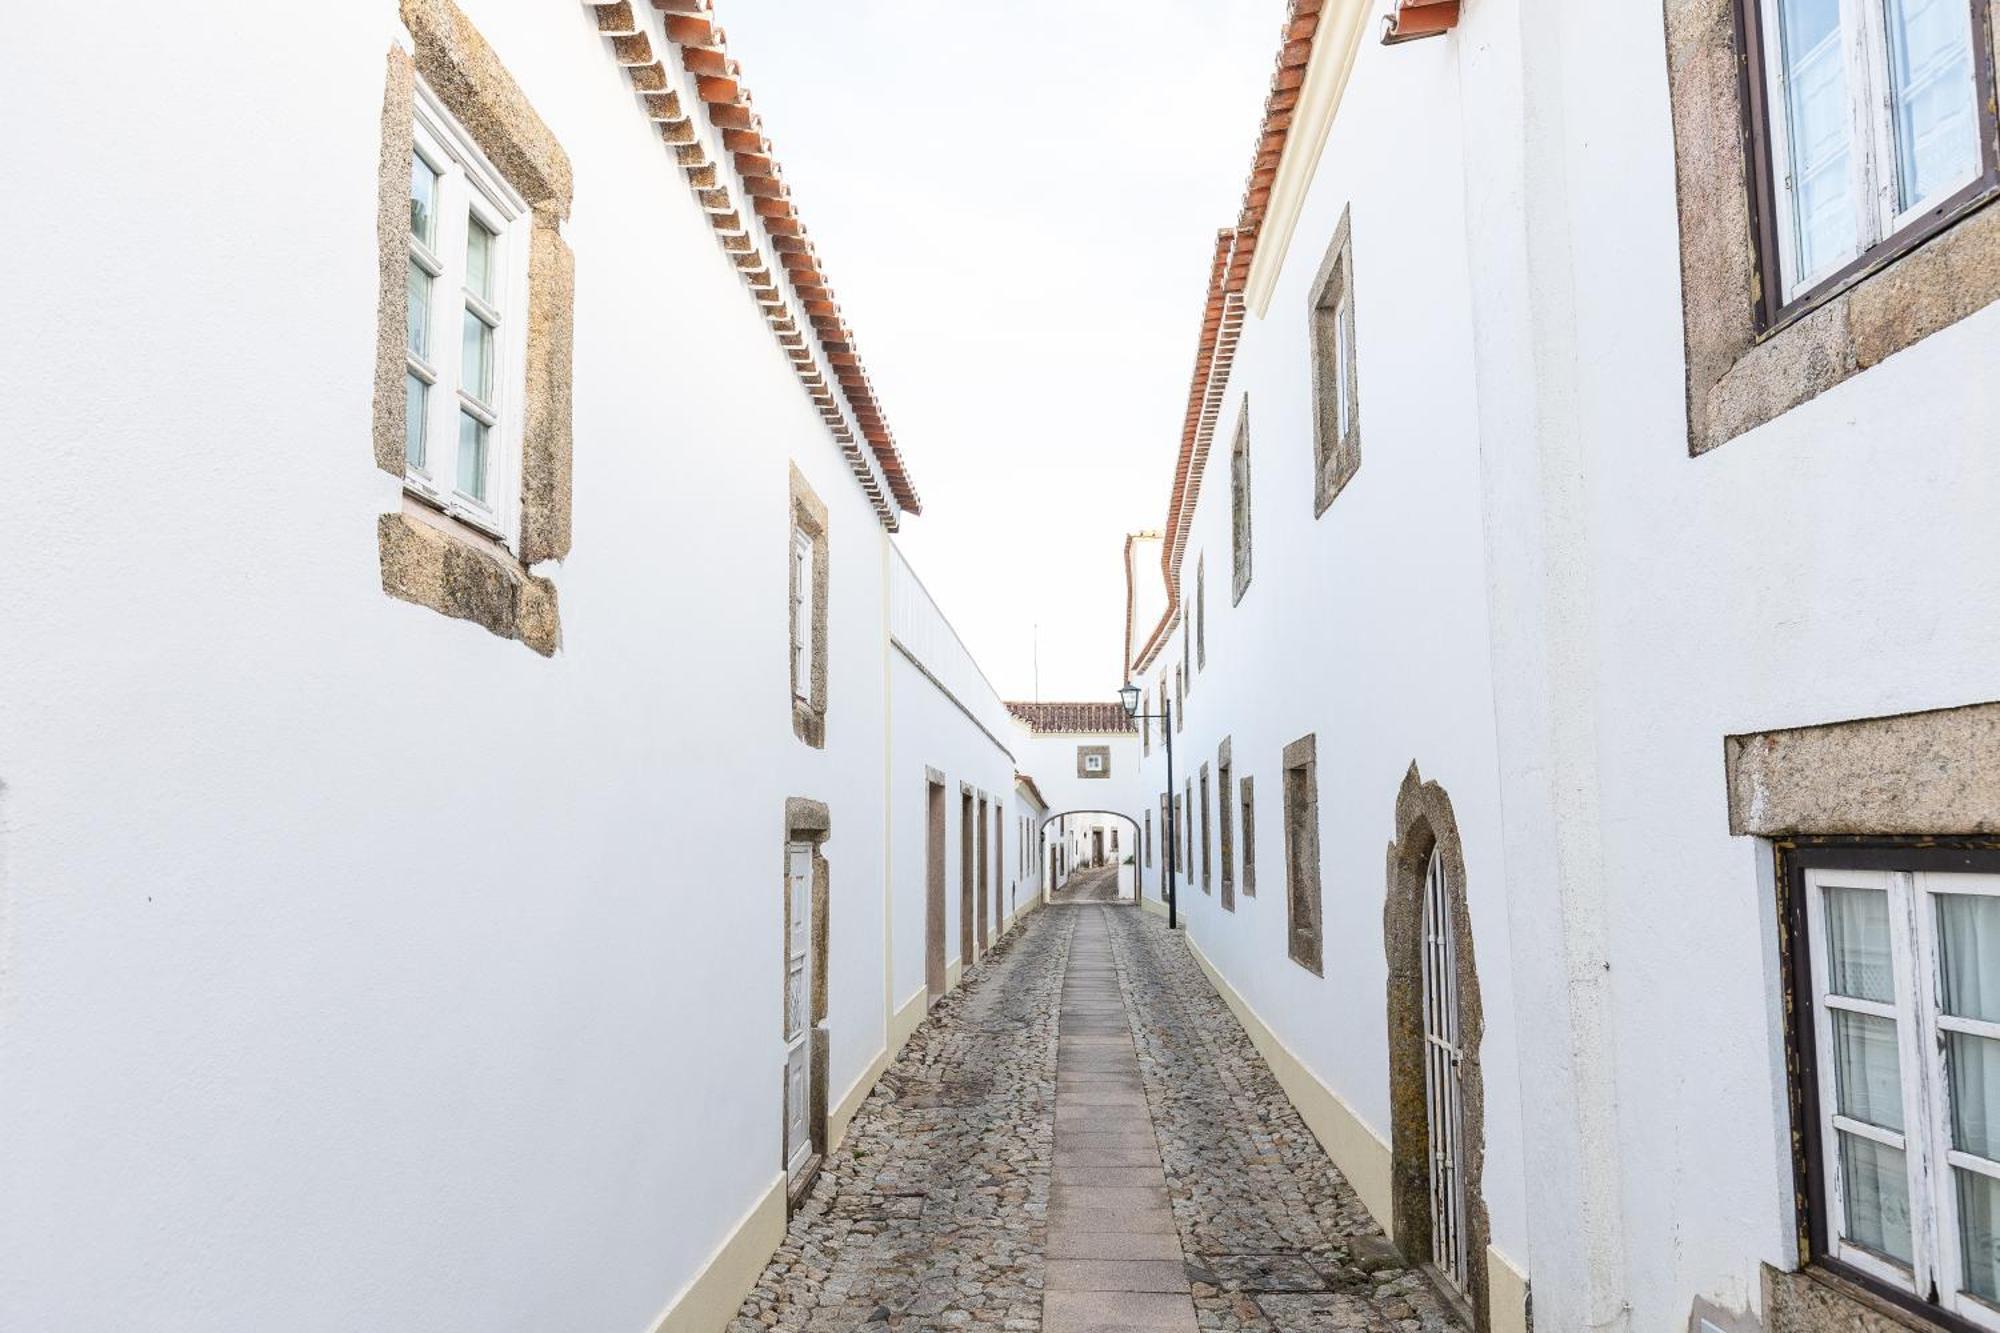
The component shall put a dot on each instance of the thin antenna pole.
(1038, 661)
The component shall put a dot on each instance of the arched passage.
(1096, 842)
(1436, 1090)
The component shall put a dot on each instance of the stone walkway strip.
(1114, 1254)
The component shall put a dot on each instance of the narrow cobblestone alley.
(1089, 886)
(1083, 1138)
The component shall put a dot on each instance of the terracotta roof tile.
(1222, 313)
(1073, 716)
(771, 218)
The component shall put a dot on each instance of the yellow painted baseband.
(908, 1016)
(1506, 1294)
(842, 1114)
(901, 1024)
(1361, 1154)
(712, 1298)
(1153, 905)
(954, 972)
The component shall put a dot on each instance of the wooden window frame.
(1775, 309)
(1796, 860)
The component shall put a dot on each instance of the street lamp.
(1128, 697)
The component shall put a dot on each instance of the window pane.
(1867, 1076)
(1932, 96)
(1857, 944)
(419, 287)
(1974, 1066)
(416, 404)
(1969, 955)
(423, 200)
(479, 256)
(472, 456)
(1979, 1233)
(475, 370)
(1820, 120)
(1878, 1197)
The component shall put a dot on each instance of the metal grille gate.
(1443, 1099)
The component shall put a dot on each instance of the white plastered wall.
(359, 966)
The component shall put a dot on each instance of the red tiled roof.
(1023, 780)
(752, 175)
(1222, 315)
(1089, 716)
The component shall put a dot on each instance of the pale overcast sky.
(1016, 203)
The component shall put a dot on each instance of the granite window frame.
(429, 555)
(1239, 506)
(1205, 839)
(1752, 356)
(1201, 611)
(1225, 818)
(1304, 942)
(1336, 369)
(1086, 755)
(1859, 787)
(1249, 834)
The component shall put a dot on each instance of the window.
(1094, 763)
(802, 644)
(1226, 824)
(1336, 376)
(1900, 1068)
(1201, 610)
(1249, 841)
(470, 415)
(1180, 700)
(1187, 650)
(466, 278)
(1149, 839)
(1187, 830)
(1204, 828)
(1873, 113)
(806, 582)
(1239, 506)
(1302, 896)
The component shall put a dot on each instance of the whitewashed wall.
(1835, 563)
(948, 718)
(362, 970)
(1533, 592)
(1386, 661)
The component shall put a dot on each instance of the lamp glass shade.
(1129, 696)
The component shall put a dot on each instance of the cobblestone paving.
(1089, 886)
(1275, 1237)
(932, 1215)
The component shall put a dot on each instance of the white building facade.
(470, 740)
(1549, 462)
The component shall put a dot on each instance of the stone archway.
(1424, 821)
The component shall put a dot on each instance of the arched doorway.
(1096, 856)
(1436, 1089)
